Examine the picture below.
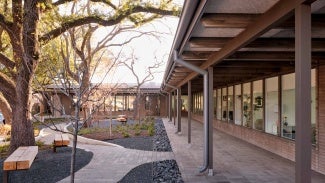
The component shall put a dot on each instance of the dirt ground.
(115, 135)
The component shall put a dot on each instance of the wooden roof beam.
(276, 14)
(253, 56)
(216, 42)
(240, 20)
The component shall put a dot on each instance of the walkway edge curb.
(88, 140)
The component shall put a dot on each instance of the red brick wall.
(163, 105)
(281, 146)
(321, 119)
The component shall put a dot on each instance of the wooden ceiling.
(242, 40)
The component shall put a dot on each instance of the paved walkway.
(235, 161)
(109, 163)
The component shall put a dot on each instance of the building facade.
(254, 69)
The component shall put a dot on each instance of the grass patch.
(147, 127)
(84, 131)
(49, 121)
(4, 150)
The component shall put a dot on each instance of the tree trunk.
(22, 133)
(25, 47)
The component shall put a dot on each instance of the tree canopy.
(27, 26)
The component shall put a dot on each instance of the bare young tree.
(77, 95)
(149, 72)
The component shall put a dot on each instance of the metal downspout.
(205, 104)
(193, 10)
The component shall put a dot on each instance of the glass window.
(201, 103)
(288, 106)
(258, 103)
(184, 103)
(313, 105)
(224, 104)
(230, 104)
(219, 104)
(147, 103)
(238, 109)
(247, 113)
(272, 124)
(194, 103)
(214, 103)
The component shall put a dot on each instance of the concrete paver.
(109, 163)
(234, 160)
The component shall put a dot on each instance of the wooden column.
(210, 120)
(189, 112)
(175, 107)
(179, 110)
(303, 93)
(170, 107)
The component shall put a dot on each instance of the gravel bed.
(166, 171)
(159, 171)
(139, 174)
(160, 140)
(49, 167)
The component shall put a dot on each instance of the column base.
(210, 172)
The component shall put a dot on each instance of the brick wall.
(280, 146)
(163, 105)
(321, 119)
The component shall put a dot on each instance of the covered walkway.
(234, 160)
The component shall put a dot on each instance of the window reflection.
(219, 104)
(272, 124)
(224, 104)
(258, 103)
(230, 104)
(238, 108)
(247, 116)
(288, 106)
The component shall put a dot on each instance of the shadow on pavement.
(49, 167)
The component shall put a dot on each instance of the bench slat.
(58, 140)
(21, 158)
(11, 162)
(27, 158)
(65, 140)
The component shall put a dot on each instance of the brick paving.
(235, 161)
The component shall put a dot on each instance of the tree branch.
(108, 2)
(66, 60)
(6, 25)
(7, 62)
(7, 88)
(120, 15)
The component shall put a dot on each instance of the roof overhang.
(242, 40)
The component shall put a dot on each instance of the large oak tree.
(27, 25)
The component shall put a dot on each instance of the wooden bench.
(21, 159)
(60, 140)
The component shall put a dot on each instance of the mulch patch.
(115, 135)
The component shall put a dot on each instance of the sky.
(147, 49)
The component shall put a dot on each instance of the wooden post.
(189, 114)
(303, 93)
